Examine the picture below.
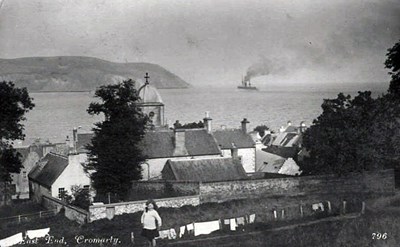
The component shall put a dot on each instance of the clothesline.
(19, 237)
(204, 228)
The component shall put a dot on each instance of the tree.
(393, 63)
(194, 125)
(114, 153)
(14, 103)
(81, 197)
(261, 129)
(356, 134)
(338, 138)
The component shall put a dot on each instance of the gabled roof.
(226, 137)
(160, 144)
(291, 128)
(285, 152)
(272, 163)
(48, 169)
(267, 139)
(206, 170)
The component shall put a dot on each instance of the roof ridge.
(228, 129)
(58, 155)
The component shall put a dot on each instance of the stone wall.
(73, 213)
(110, 210)
(142, 190)
(381, 182)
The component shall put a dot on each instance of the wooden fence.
(28, 217)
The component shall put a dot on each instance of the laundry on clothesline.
(12, 240)
(233, 224)
(182, 231)
(39, 233)
(172, 234)
(206, 227)
(240, 221)
(252, 218)
(163, 234)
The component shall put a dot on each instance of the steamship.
(246, 85)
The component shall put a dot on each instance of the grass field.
(25, 207)
(354, 232)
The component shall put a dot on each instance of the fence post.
(363, 208)
(132, 238)
(329, 207)
(40, 214)
(344, 207)
(283, 214)
(19, 218)
(301, 211)
(275, 215)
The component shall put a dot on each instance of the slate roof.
(263, 175)
(267, 139)
(285, 152)
(48, 169)
(291, 128)
(160, 144)
(206, 170)
(226, 137)
(272, 163)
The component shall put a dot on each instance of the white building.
(56, 174)
(237, 143)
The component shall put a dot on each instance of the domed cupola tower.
(151, 103)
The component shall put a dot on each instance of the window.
(86, 187)
(24, 174)
(61, 192)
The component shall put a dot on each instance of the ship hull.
(247, 88)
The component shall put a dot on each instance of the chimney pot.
(234, 151)
(207, 122)
(244, 125)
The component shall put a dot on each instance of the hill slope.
(80, 73)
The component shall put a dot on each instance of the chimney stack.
(207, 122)
(302, 127)
(234, 151)
(74, 140)
(179, 141)
(244, 125)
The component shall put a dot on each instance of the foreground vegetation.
(122, 225)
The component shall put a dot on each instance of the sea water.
(57, 113)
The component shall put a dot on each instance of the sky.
(213, 42)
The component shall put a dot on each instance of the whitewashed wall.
(248, 157)
(72, 175)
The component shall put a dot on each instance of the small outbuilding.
(204, 170)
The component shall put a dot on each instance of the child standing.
(151, 222)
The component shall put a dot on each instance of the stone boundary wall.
(162, 189)
(110, 210)
(381, 182)
(73, 213)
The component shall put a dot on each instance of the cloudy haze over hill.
(212, 42)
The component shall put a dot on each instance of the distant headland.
(76, 73)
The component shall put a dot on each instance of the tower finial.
(147, 77)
